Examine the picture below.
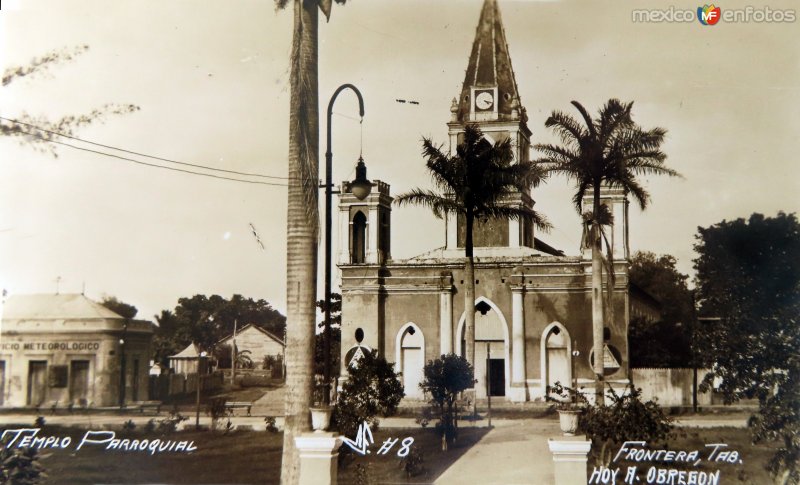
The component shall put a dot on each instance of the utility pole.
(233, 353)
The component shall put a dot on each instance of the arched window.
(359, 239)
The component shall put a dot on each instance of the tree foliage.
(39, 130)
(748, 278)
(665, 342)
(207, 320)
(625, 418)
(119, 307)
(372, 389)
(336, 337)
(444, 379)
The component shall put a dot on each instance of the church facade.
(532, 309)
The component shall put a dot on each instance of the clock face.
(484, 100)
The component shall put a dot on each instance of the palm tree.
(472, 184)
(302, 228)
(610, 151)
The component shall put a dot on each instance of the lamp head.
(361, 187)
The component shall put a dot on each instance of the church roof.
(490, 65)
(49, 307)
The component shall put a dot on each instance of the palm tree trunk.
(469, 293)
(469, 307)
(302, 232)
(597, 297)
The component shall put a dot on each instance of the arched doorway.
(410, 358)
(556, 356)
(492, 359)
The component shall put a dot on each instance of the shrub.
(169, 424)
(251, 380)
(412, 463)
(40, 422)
(627, 418)
(271, 425)
(372, 389)
(129, 425)
(445, 377)
(20, 466)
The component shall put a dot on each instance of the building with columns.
(532, 309)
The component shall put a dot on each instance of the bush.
(627, 418)
(445, 378)
(129, 425)
(39, 422)
(169, 424)
(20, 466)
(372, 389)
(271, 425)
(412, 463)
(251, 380)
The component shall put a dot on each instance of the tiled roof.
(52, 307)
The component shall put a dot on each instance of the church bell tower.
(490, 100)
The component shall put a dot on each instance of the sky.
(211, 81)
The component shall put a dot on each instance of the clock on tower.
(484, 100)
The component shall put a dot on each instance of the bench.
(147, 405)
(231, 405)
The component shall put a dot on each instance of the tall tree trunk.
(302, 232)
(597, 296)
(469, 293)
(469, 307)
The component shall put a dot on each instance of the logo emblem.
(709, 14)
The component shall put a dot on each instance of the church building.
(533, 323)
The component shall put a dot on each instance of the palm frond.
(566, 127)
(438, 204)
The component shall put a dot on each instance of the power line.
(153, 164)
(234, 172)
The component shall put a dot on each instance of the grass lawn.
(751, 471)
(385, 469)
(241, 457)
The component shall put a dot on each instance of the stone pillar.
(446, 321)
(372, 235)
(518, 386)
(451, 236)
(344, 233)
(513, 233)
(569, 459)
(446, 313)
(319, 454)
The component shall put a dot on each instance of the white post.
(318, 458)
(569, 459)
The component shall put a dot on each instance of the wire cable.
(153, 164)
(234, 172)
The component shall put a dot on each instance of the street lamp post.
(200, 356)
(362, 182)
(122, 369)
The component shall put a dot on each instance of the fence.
(672, 386)
(168, 385)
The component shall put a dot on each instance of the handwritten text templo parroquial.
(718, 454)
(30, 438)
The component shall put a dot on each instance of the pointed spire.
(490, 66)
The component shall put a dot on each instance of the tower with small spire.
(490, 99)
